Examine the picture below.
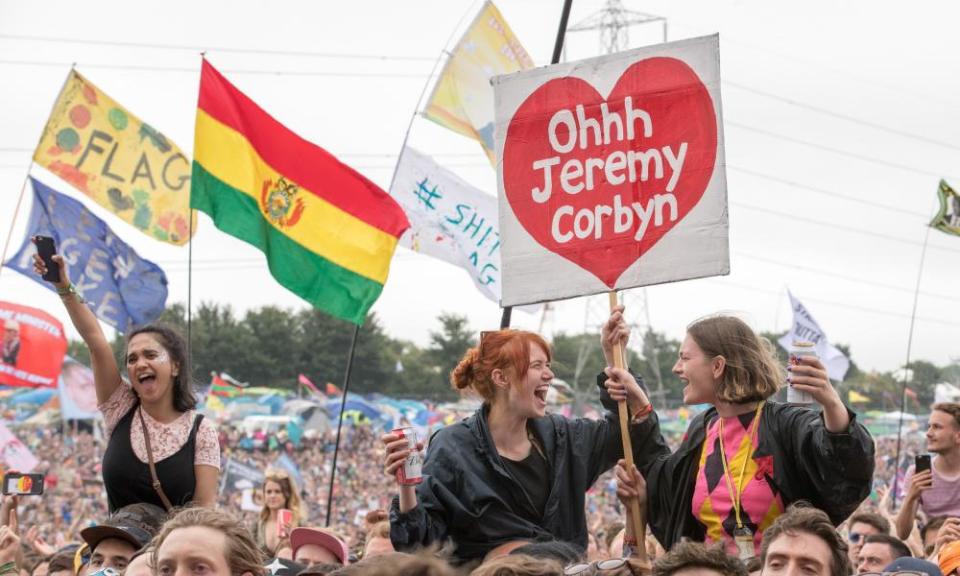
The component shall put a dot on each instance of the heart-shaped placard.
(601, 181)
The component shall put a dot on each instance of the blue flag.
(121, 288)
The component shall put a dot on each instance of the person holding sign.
(747, 458)
(511, 473)
(159, 450)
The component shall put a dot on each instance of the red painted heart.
(600, 182)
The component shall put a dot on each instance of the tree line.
(271, 346)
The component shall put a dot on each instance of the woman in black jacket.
(510, 472)
(747, 458)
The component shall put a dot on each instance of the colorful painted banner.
(32, 347)
(123, 163)
(449, 219)
(947, 219)
(611, 172)
(122, 288)
(328, 232)
(806, 329)
(462, 98)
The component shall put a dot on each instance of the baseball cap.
(136, 524)
(303, 536)
(906, 563)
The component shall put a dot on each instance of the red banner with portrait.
(32, 347)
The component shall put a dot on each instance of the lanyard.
(735, 495)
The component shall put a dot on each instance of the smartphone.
(284, 521)
(921, 463)
(46, 248)
(23, 484)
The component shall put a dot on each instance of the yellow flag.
(462, 99)
(121, 162)
(855, 397)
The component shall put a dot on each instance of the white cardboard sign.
(611, 172)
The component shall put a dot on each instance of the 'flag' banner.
(948, 217)
(78, 396)
(449, 219)
(122, 288)
(462, 99)
(31, 353)
(123, 163)
(806, 329)
(15, 455)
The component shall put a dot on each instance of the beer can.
(798, 349)
(412, 470)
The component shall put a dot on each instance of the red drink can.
(412, 470)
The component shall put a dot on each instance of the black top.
(532, 473)
(796, 455)
(468, 494)
(128, 480)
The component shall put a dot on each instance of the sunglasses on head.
(585, 569)
(273, 474)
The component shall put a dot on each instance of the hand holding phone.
(23, 484)
(921, 463)
(284, 522)
(46, 248)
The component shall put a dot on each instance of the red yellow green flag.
(328, 232)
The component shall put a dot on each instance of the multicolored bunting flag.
(806, 329)
(948, 217)
(855, 397)
(449, 219)
(123, 163)
(122, 288)
(32, 346)
(328, 232)
(219, 386)
(462, 99)
(333, 390)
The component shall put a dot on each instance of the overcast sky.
(840, 117)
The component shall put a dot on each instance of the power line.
(845, 117)
(196, 69)
(834, 226)
(224, 49)
(838, 151)
(825, 192)
(845, 306)
(831, 274)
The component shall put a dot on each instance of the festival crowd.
(754, 485)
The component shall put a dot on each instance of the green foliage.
(270, 346)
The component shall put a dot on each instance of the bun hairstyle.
(507, 350)
(752, 372)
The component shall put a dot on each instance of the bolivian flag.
(328, 232)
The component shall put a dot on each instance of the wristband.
(68, 291)
(643, 412)
(632, 540)
(9, 568)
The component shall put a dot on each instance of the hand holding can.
(403, 459)
(797, 350)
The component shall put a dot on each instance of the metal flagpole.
(906, 368)
(557, 52)
(343, 402)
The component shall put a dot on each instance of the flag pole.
(557, 52)
(23, 188)
(906, 367)
(343, 402)
(423, 92)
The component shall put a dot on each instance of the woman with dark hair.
(511, 473)
(747, 458)
(160, 451)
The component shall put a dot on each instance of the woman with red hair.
(511, 474)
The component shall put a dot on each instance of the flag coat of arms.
(328, 232)
(947, 219)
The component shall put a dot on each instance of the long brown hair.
(291, 496)
(507, 350)
(752, 372)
